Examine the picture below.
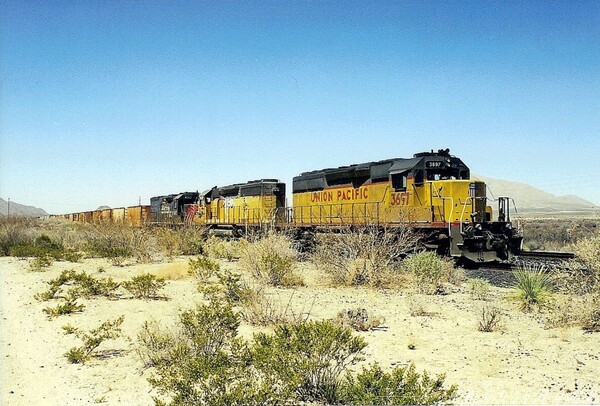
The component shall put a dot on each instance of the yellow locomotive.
(229, 209)
(431, 192)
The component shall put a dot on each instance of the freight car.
(432, 193)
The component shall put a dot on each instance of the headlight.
(509, 226)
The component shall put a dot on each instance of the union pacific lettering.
(339, 195)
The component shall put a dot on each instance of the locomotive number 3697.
(400, 199)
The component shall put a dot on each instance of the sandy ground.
(524, 363)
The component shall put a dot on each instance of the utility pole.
(8, 215)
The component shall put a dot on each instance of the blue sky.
(107, 102)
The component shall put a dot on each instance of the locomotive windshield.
(446, 169)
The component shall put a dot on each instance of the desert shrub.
(428, 271)
(558, 233)
(401, 386)
(358, 319)
(272, 260)
(87, 285)
(417, 305)
(144, 286)
(591, 315)
(261, 309)
(155, 345)
(587, 278)
(569, 311)
(490, 319)
(16, 231)
(533, 286)
(233, 289)
(308, 358)
(180, 241)
(365, 255)
(112, 242)
(203, 268)
(229, 249)
(479, 288)
(40, 263)
(92, 339)
(203, 362)
(564, 312)
(81, 285)
(68, 307)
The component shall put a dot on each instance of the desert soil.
(523, 363)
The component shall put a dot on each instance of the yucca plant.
(533, 284)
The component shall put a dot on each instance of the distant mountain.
(529, 199)
(17, 209)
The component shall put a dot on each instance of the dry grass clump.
(263, 309)
(428, 271)
(490, 319)
(272, 260)
(228, 249)
(366, 255)
(188, 240)
(574, 311)
(479, 288)
(358, 319)
(587, 278)
(15, 231)
(417, 305)
(591, 314)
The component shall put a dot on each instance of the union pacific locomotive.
(431, 192)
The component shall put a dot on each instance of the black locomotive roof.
(250, 188)
(369, 171)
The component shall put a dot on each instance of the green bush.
(203, 268)
(145, 286)
(533, 286)
(401, 386)
(308, 358)
(203, 362)
(479, 288)
(428, 270)
(82, 285)
(92, 339)
(68, 307)
(40, 263)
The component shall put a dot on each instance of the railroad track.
(557, 255)
(501, 274)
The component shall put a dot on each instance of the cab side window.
(399, 181)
